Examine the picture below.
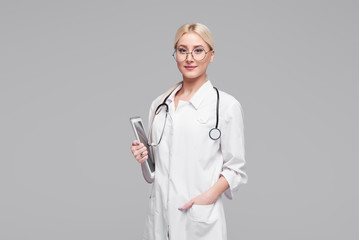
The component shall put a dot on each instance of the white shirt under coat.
(188, 162)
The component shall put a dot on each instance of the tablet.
(140, 134)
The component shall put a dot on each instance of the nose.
(189, 57)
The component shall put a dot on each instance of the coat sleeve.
(233, 149)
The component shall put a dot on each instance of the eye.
(198, 50)
(181, 50)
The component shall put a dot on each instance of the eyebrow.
(193, 46)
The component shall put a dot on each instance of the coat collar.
(198, 97)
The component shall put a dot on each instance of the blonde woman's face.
(191, 67)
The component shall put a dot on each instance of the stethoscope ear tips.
(215, 133)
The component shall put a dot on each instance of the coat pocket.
(201, 213)
(202, 117)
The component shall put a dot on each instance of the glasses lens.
(198, 54)
(181, 54)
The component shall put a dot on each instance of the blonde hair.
(198, 28)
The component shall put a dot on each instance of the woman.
(192, 169)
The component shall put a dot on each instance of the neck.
(190, 86)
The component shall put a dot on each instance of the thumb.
(135, 143)
(186, 206)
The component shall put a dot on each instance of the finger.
(135, 142)
(142, 150)
(139, 146)
(134, 150)
(143, 159)
(137, 149)
(136, 145)
(143, 153)
(187, 205)
(138, 152)
(138, 156)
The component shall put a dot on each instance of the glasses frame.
(205, 55)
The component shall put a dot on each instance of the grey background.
(73, 72)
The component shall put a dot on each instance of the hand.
(206, 198)
(139, 151)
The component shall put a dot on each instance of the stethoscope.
(214, 133)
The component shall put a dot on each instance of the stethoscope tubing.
(214, 133)
(215, 130)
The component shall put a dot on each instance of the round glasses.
(181, 54)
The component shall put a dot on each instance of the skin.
(192, 81)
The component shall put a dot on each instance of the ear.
(212, 56)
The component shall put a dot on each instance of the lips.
(190, 67)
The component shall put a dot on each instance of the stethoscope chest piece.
(215, 133)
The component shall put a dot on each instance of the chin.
(191, 75)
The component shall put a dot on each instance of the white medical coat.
(188, 162)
